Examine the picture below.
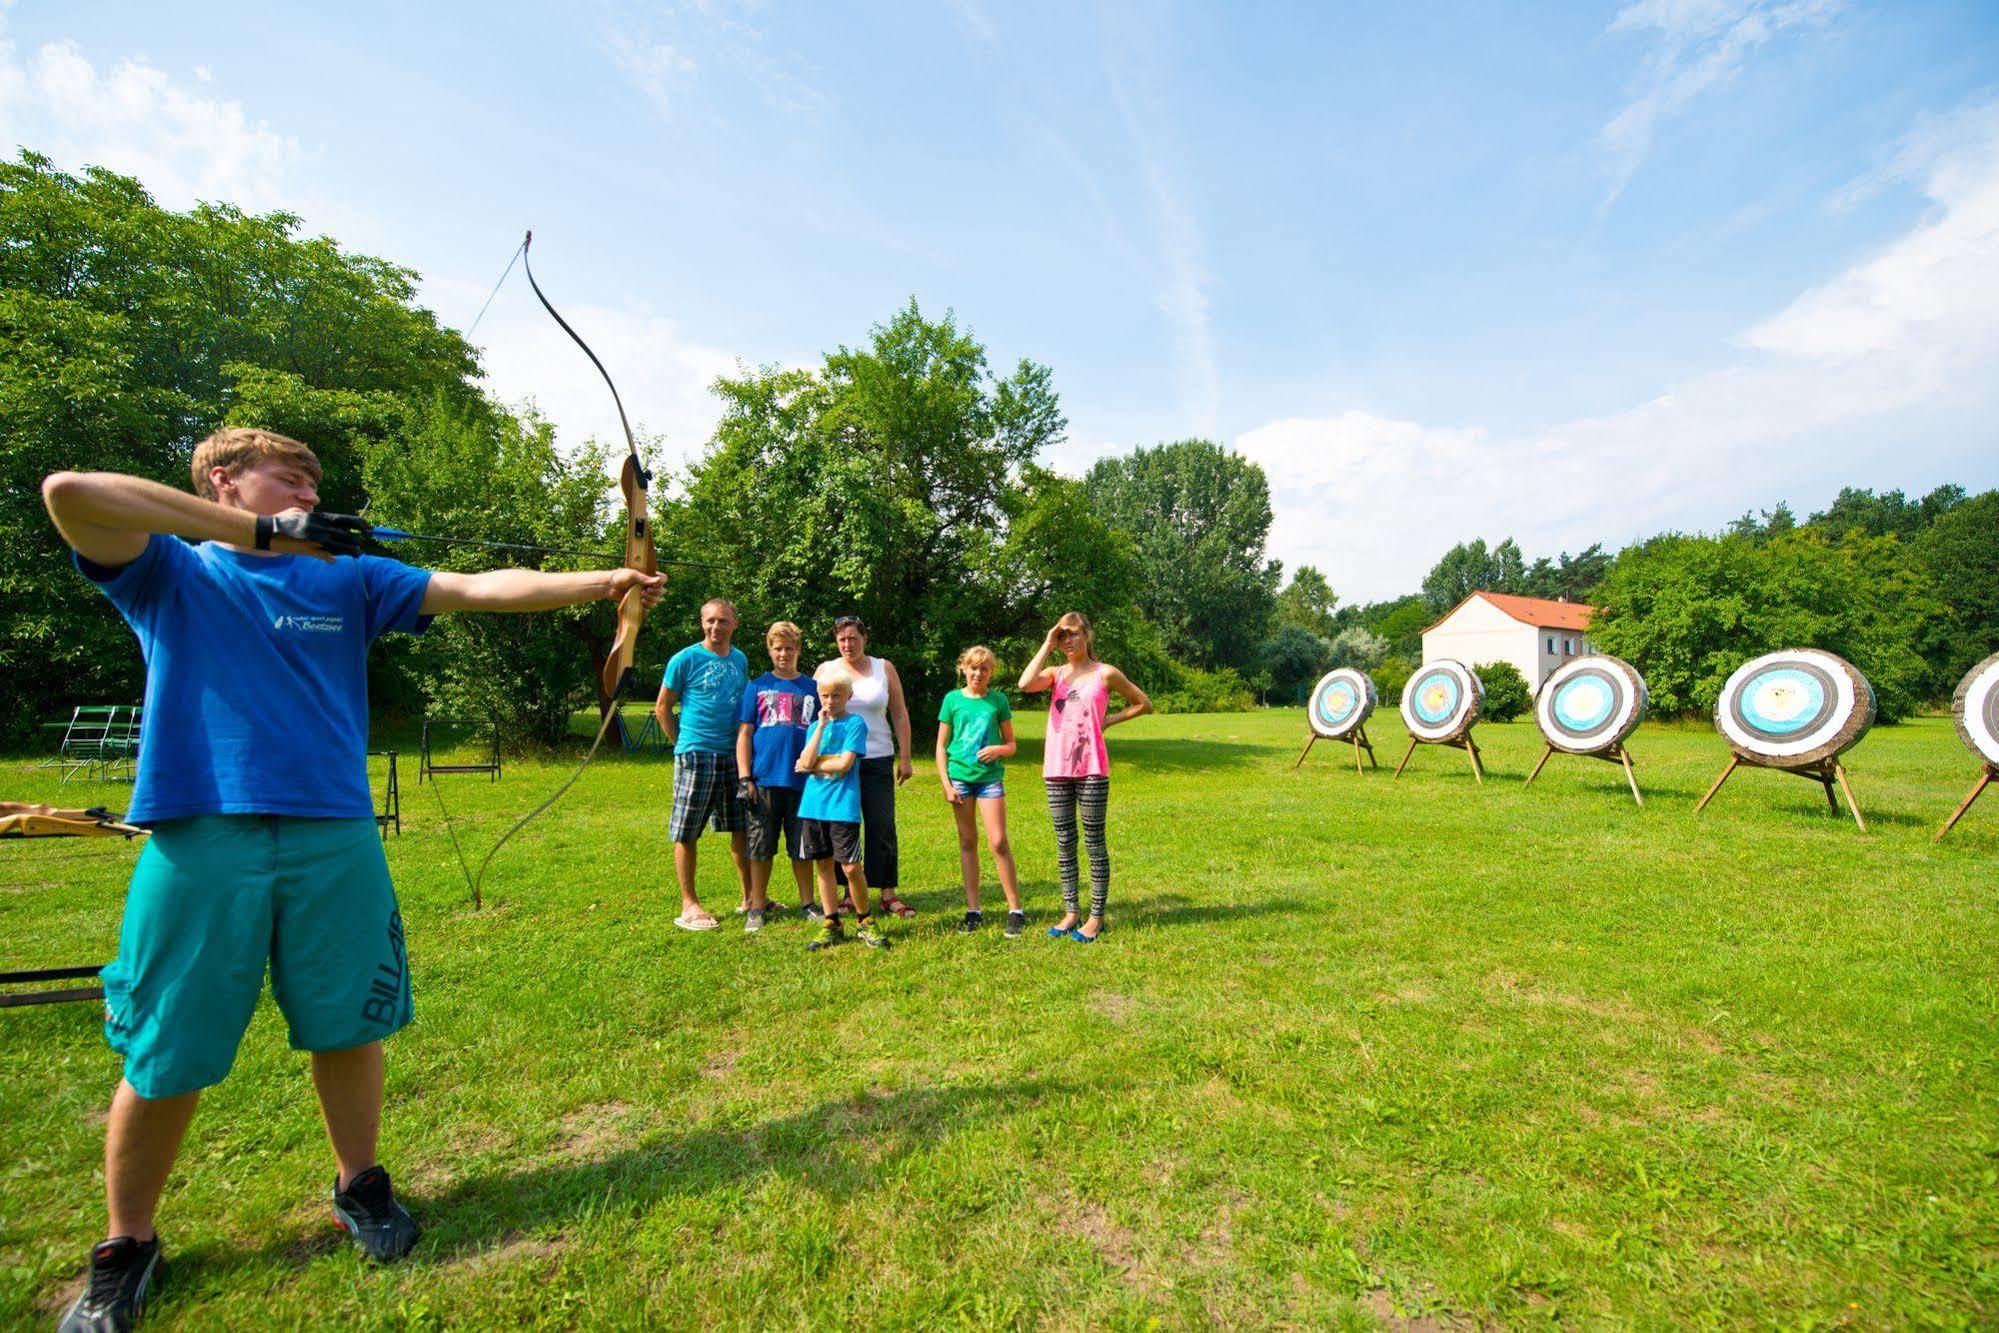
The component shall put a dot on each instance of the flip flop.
(686, 922)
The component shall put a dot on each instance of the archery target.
(1802, 706)
(1441, 701)
(1341, 701)
(1589, 704)
(1976, 708)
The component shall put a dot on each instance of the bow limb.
(639, 555)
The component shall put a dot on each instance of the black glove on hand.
(335, 534)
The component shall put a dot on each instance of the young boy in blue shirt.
(778, 711)
(253, 780)
(829, 812)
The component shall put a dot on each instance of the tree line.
(902, 478)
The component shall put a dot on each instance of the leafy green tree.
(1686, 611)
(1403, 627)
(1772, 523)
(1390, 677)
(128, 332)
(1506, 692)
(1199, 515)
(1889, 514)
(1960, 550)
(1294, 659)
(1308, 602)
(898, 482)
(1470, 567)
(1356, 647)
(1570, 579)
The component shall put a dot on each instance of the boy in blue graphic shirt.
(829, 813)
(253, 780)
(778, 710)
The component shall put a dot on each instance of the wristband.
(265, 529)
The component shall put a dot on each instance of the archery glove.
(335, 534)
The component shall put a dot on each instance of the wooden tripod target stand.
(1990, 776)
(1462, 741)
(1616, 754)
(1356, 738)
(1825, 772)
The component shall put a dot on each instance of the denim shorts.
(983, 791)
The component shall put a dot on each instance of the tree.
(1774, 523)
(1686, 611)
(898, 482)
(1960, 550)
(1506, 692)
(1357, 648)
(1889, 514)
(1199, 516)
(1571, 579)
(128, 332)
(1294, 659)
(1308, 602)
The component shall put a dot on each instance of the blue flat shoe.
(1056, 932)
(1080, 938)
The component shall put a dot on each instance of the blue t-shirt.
(837, 800)
(256, 676)
(710, 690)
(782, 712)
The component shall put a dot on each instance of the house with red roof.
(1533, 633)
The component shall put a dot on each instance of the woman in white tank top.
(879, 702)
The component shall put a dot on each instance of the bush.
(1390, 677)
(1506, 693)
(1193, 690)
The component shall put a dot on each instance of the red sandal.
(894, 904)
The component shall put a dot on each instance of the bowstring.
(474, 880)
(519, 250)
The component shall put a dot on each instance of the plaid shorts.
(704, 792)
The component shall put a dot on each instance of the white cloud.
(658, 69)
(1880, 367)
(136, 119)
(1701, 44)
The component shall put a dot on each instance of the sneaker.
(829, 935)
(1016, 923)
(813, 912)
(121, 1278)
(973, 920)
(871, 937)
(753, 921)
(369, 1212)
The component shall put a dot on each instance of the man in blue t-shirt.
(253, 780)
(778, 710)
(706, 680)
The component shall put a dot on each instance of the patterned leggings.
(1094, 795)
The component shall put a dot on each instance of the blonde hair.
(234, 448)
(1076, 620)
(835, 674)
(977, 655)
(785, 632)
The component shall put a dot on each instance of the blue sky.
(1568, 272)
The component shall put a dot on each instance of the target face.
(1976, 708)
(1441, 701)
(1341, 701)
(1796, 707)
(1590, 704)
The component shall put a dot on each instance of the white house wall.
(1479, 632)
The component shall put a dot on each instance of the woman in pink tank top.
(1077, 764)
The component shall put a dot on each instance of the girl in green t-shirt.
(974, 736)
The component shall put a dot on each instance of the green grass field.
(1354, 1052)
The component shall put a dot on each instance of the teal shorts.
(217, 897)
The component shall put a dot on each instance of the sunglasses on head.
(844, 622)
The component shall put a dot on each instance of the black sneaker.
(368, 1210)
(1016, 923)
(121, 1278)
(973, 920)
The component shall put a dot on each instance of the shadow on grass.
(1158, 754)
(835, 1149)
(1172, 909)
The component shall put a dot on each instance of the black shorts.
(775, 812)
(822, 838)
